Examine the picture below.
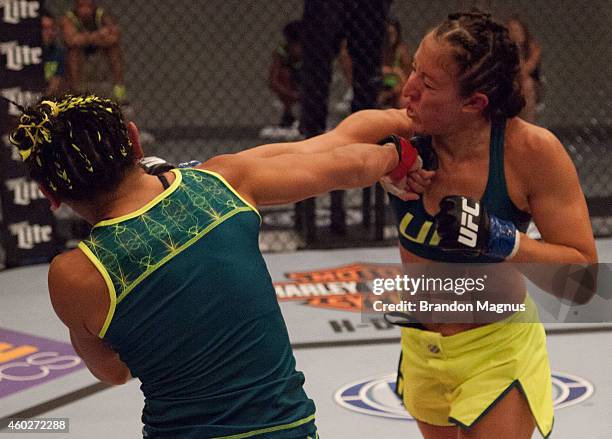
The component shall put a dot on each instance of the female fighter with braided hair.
(170, 287)
(496, 172)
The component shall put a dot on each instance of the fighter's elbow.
(583, 298)
(114, 378)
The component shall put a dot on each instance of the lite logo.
(24, 191)
(468, 232)
(20, 97)
(18, 57)
(17, 10)
(28, 235)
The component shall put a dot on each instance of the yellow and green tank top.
(194, 315)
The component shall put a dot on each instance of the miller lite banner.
(26, 225)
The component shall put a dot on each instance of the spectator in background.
(86, 30)
(531, 57)
(285, 71)
(395, 67)
(326, 23)
(345, 65)
(53, 56)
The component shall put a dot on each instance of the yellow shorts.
(455, 380)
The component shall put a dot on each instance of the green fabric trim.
(270, 429)
(99, 15)
(109, 284)
(516, 383)
(178, 178)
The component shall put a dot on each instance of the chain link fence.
(198, 80)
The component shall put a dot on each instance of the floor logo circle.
(570, 390)
(376, 395)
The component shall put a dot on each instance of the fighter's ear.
(475, 103)
(134, 136)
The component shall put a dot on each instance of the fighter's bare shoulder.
(75, 284)
(227, 165)
(72, 266)
(535, 141)
(536, 152)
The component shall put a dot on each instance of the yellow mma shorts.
(457, 379)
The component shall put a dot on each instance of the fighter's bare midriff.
(514, 292)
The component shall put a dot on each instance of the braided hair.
(77, 147)
(488, 60)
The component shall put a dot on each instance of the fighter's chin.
(416, 124)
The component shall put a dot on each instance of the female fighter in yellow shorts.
(482, 380)
(476, 380)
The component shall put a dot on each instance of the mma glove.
(155, 165)
(466, 228)
(426, 152)
(189, 164)
(409, 159)
(414, 154)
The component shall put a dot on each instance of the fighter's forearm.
(542, 263)
(531, 250)
(101, 361)
(368, 126)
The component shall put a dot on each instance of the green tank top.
(194, 315)
(82, 27)
(416, 228)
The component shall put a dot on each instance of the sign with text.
(27, 225)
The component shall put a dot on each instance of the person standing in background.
(396, 66)
(87, 29)
(326, 23)
(285, 71)
(53, 56)
(530, 53)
